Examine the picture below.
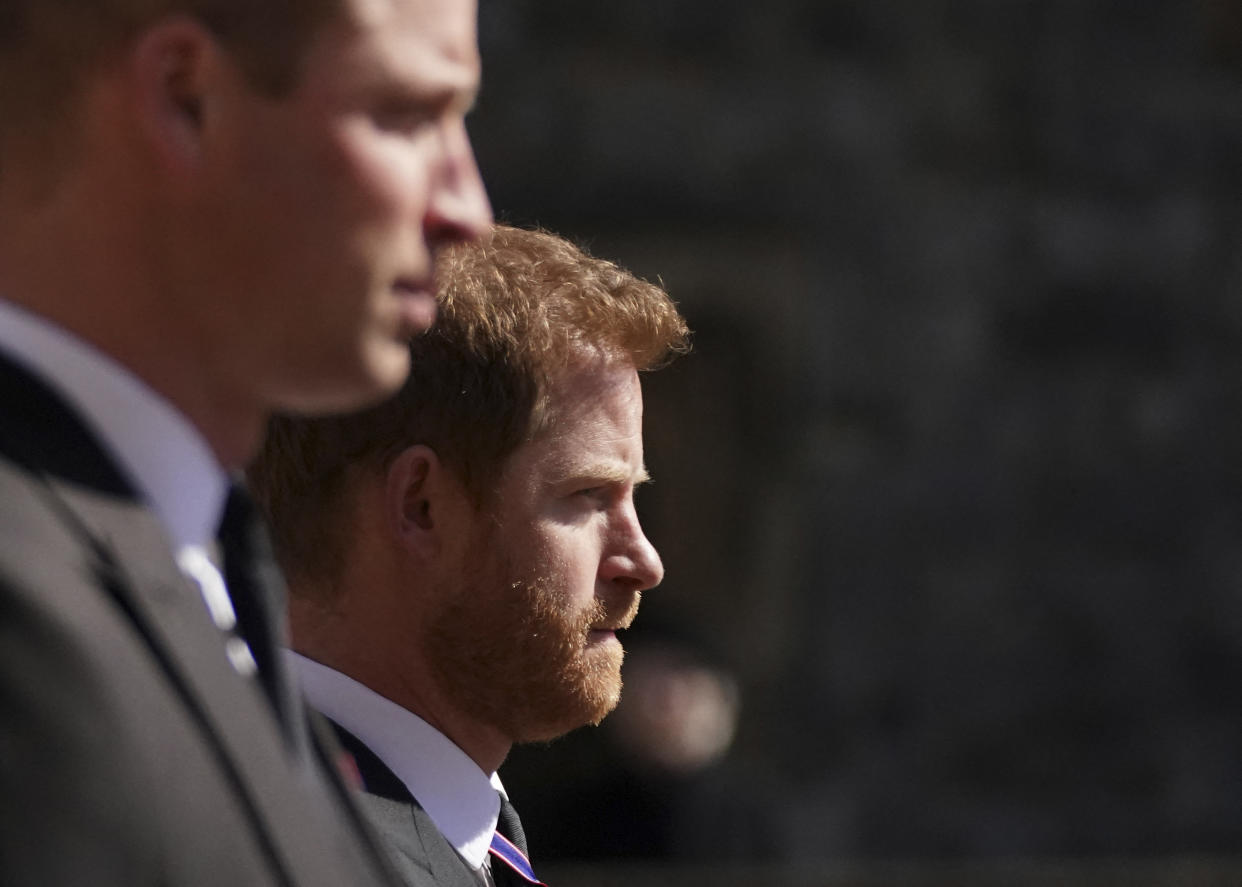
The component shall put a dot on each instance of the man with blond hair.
(461, 557)
(209, 210)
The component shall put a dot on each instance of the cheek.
(388, 173)
(577, 559)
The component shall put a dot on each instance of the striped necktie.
(509, 847)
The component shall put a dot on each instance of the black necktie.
(254, 586)
(508, 824)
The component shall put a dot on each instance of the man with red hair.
(462, 557)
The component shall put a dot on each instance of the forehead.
(431, 44)
(594, 424)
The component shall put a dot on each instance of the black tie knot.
(508, 824)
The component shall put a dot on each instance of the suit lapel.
(280, 788)
(410, 831)
(134, 564)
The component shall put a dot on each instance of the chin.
(373, 382)
(584, 705)
(387, 367)
(595, 702)
(328, 400)
(340, 383)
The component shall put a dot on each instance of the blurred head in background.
(241, 202)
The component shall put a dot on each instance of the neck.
(231, 425)
(329, 636)
(484, 744)
(67, 259)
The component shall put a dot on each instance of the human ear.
(171, 67)
(412, 498)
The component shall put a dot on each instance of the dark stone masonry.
(952, 483)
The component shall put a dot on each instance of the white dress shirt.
(459, 797)
(161, 453)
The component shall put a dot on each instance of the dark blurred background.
(950, 492)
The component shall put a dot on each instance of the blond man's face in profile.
(331, 203)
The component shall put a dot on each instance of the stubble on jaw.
(510, 656)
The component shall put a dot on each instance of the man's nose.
(635, 564)
(458, 208)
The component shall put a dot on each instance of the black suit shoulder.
(130, 752)
(66, 773)
(96, 744)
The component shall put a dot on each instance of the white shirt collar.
(160, 451)
(458, 796)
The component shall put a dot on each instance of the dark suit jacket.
(423, 856)
(131, 753)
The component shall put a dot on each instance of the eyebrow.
(450, 98)
(608, 472)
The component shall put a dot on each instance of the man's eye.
(596, 497)
(405, 118)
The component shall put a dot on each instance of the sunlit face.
(525, 633)
(325, 207)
